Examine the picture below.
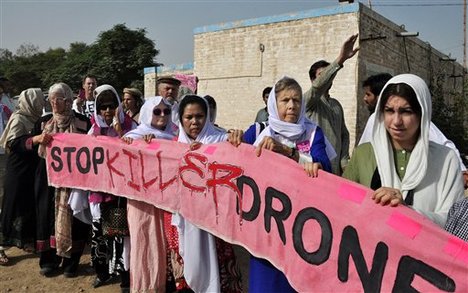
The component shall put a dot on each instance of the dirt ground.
(22, 275)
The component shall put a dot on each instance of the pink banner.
(325, 233)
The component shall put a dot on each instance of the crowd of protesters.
(402, 156)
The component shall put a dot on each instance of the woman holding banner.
(148, 257)
(61, 237)
(400, 163)
(110, 250)
(18, 211)
(209, 263)
(292, 135)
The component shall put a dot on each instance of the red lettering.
(163, 185)
(233, 172)
(131, 182)
(146, 184)
(111, 168)
(194, 168)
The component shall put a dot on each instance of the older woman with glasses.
(55, 220)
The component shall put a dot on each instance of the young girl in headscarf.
(207, 264)
(109, 255)
(146, 222)
(18, 208)
(400, 163)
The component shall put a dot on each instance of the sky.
(170, 23)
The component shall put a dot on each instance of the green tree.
(120, 55)
(117, 57)
(449, 112)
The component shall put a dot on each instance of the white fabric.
(435, 135)
(417, 165)
(435, 187)
(146, 116)
(303, 128)
(197, 247)
(79, 204)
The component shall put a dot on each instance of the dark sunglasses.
(104, 107)
(157, 112)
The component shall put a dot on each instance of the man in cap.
(168, 88)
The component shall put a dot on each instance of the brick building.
(234, 61)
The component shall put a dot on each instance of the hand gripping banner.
(324, 233)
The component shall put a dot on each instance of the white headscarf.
(291, 131)
(417, 165)
(99, 120)
(209, 132)
(146, 116)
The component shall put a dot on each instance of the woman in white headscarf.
(109, 255)
(18, 208)
(202, 264)
(148, 256)
(400, 163)
(291, 134)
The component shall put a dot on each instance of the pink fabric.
(203, 188)
(187, 80)
(148, 247)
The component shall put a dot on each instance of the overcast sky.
(52, 24)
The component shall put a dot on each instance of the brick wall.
(235, 61)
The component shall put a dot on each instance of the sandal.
(3, 258)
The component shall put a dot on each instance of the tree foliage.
(117, 57)
(449, 110)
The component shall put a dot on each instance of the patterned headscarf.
(29, 110)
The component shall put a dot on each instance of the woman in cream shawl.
(55, 221)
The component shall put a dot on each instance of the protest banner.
(324, 233)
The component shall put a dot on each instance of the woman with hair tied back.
(400, 163)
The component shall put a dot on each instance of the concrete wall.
(396, 55)
(234, 61)
(231, 66)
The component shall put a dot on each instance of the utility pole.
(464, 37)
(370, 4)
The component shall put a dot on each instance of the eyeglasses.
(57, 99)
(104, 107)
(157, 112)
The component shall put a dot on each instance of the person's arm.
(250, 134)
(323, 81)
(320, 85)
(449, 191)
(344, 156)
(318, 152)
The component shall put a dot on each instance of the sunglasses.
(104, 107)
(157, 112)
